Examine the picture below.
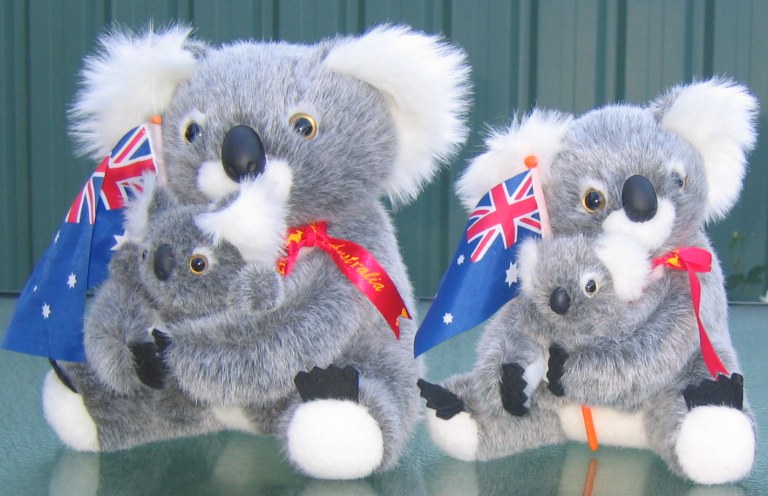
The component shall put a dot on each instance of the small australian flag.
(48, 319)
(482, 276)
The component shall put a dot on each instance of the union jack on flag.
(48, 319)
(482, 276)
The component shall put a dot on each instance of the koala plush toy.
(639, 182)
(286, 151)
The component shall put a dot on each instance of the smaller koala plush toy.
(641, 182)
(281, 305)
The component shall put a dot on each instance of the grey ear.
(130, 78)
(717, 117)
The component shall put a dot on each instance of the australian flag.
(48, 320)
(483, 273)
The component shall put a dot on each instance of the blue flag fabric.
(48, 319)
(482, 276)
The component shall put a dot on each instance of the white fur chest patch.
(612, 427)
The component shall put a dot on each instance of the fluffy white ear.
(426, 83)
(129, 79)
(539, 134)
(717, 117)
(627, 261)
(527, 258)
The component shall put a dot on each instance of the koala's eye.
(198, 264)
(192, 132)
(593, 201)
(590, 287)
(304, 125)
(678, 180)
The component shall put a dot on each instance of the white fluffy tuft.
(651, 234)
(457, 437)
(255, 222)
(213, 182)
(426, 83)
(533, 375)
(716, 445)
(613, 427)
(66, 414)
(131, 78)
(527, 258)
(335, 439)
(718, 118)
(627, 261)
(539, 134)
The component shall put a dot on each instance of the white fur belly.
(233, 418)
(612, 427)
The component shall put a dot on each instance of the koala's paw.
(67, 415)
(257, 289)
(513, 387)
(149, 360)
(724, 391)
(334, 439)
(457, 437)
(445, 404)
(715, 445)
(556, 369)
(331, 383)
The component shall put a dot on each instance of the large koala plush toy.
(289, 151)
(643, 180)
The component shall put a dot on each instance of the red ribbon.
(693, 260)
(355, 262)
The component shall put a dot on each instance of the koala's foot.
(716, 445)
(725, 391)
(332, 436)
(335, 439)
(457, 437)
(513, 389)
(556, 369)
(445, 404)
(67, 415)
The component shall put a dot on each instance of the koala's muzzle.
(242, 153)
(639, 199)
(559, 301)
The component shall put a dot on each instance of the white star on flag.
(72, 280)
(511, 274)
(460, 260)
(447, 318)
(46, 311)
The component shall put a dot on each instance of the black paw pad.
(556, 369)
(331, 383)
(445, 404)
(725, 391)
(513, 385)
(149, 364)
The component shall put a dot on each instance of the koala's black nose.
(164, 262)
(639, 199)
(242, 153)
(559, 301)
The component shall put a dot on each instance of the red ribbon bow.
(355, 262)
(693, 260)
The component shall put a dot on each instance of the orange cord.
(589, 425)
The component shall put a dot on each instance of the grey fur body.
(235, 348)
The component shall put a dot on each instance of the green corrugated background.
(566, 54)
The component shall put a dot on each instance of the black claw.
(512, 387)
(724, 391)
(149, 364)
(331, 383)
(556, 369)
(445, 403)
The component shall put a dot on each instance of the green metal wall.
(566, 54)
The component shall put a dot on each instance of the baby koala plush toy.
(623, 311)
(281, 305)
